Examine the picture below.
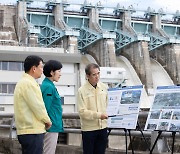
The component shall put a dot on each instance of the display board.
(164, 114)
(123, 106)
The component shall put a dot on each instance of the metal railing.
(10, 126)
(120, 132)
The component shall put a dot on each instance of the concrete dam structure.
(146, 49)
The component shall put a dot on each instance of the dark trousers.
(31, 143)
(94, 142)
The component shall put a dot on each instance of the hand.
(48, 125)
(104, 116)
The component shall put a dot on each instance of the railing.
(10, 126)
(120, 132)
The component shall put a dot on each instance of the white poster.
(164, 114)
(123, 106)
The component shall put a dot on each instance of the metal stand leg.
(159, 134)
(173, 135)
(143, 136)
(125, 130)
(131, 141)
(109, 131)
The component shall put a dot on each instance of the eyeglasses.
(95, 74)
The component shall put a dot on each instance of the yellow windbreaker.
(92, 102)
(29, 110)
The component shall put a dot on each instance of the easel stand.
(159, 134)
(130, 138)
(173, 136)
(125, 131)
(139, 128)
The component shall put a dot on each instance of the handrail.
(11, 127)
(74, 115)
(120, 132)
(6, 115)
(78, 130)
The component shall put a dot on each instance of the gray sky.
(169, 6)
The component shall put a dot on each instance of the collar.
(90, 85)
(28, 76)
(49, 81)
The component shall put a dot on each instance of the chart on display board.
(164, 114)
(123, 106)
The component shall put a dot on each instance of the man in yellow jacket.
(31, 117)
(92, 104)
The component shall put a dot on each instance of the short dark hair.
(51, 65)
(31, 61)
(89, 66)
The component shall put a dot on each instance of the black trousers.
(94, 142)
(31, 143)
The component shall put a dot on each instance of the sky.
(168, 6)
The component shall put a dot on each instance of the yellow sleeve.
(33, 97)
(84, 112)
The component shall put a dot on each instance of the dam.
(145, 51)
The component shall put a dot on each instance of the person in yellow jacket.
(31, 118)
(92, 105)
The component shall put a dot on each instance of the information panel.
(164, 114)
(123, 106)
